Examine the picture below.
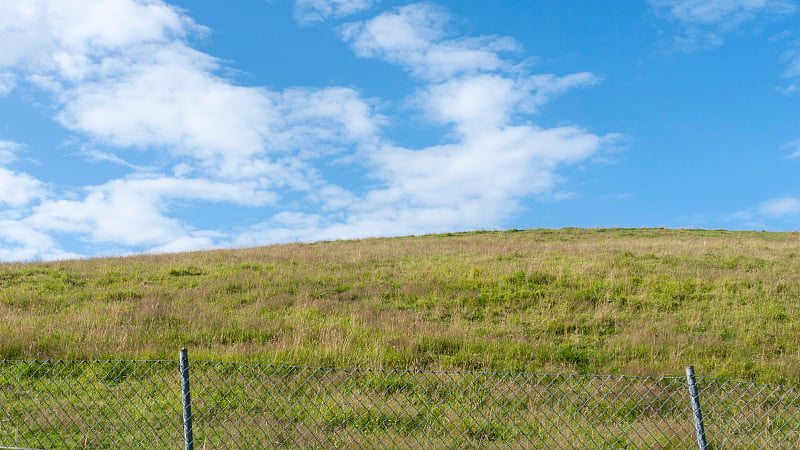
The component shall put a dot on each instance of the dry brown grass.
(644, 301)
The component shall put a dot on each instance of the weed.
(190, 271)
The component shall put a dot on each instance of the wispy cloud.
(727, 14)
(704, 22)
(780, 207)
(8, 151)
(310, 11)
(743, 215)
(7, 83)
(97, 155)
(779, 211)
(692, 40)
(792, 149)
(791, 58)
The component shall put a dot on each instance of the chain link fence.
(137, 404)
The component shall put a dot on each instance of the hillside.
(612, 301)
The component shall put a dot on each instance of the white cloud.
(20, 242)
(19, 189)
(133, 211)
(52, 35)
(337, 114)
(123, 76)
(491, 168)
(310, 11)
(780, 207)
(484, 100)
(284, 227)
(415, 36)
(490, 100)
(170, 99)
(496, 157)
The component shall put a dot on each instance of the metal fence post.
(696, 412)
(186, 400)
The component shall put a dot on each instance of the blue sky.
(132, 126)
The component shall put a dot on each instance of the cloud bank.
(122, 77)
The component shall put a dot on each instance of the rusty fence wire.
(137, 404)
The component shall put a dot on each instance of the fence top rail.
(506, 374)
(749, 383)
(88, 361)
(343, 369)
(438, 372)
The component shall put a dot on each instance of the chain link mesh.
(90, 404)
(747, 415)
(137, 404)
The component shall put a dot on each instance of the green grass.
(611, 301)
(136, 404)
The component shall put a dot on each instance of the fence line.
(145, 404)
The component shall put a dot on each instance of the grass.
(268, 406)
(124, 404)
(611, 301)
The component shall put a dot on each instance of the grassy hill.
(612, 301)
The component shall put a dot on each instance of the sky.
(135, 126)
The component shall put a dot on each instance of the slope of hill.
(616, 301)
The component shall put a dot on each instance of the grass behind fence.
(115, 404)
(639, 302)
(136, 404)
